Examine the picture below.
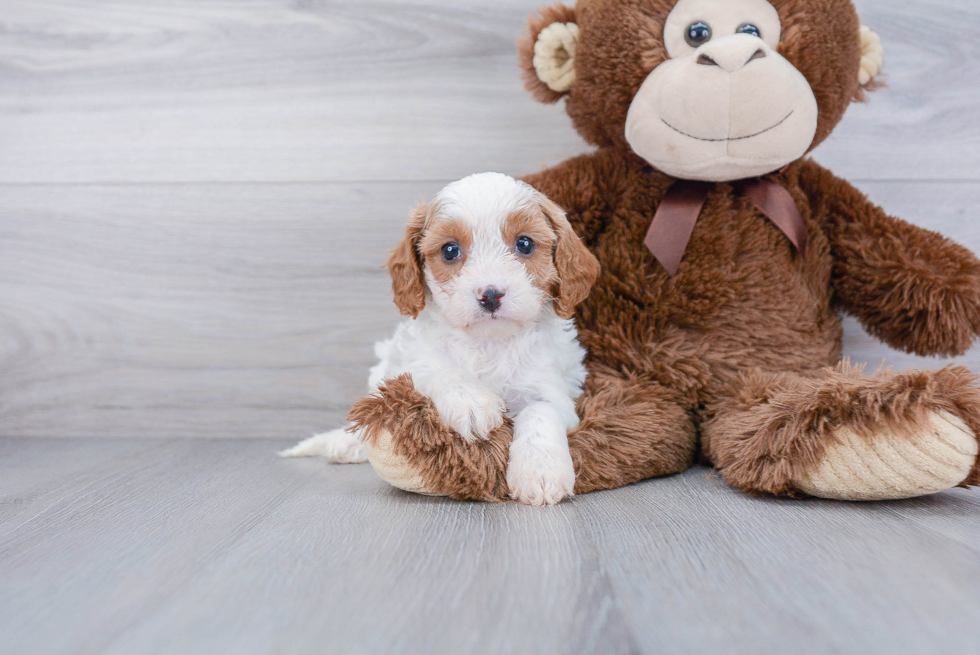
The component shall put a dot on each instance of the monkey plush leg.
(630, 431)
(836, 433)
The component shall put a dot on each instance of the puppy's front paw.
(338, 446)
(472, 412)
(540, 473)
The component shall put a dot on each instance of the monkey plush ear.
(872, 59)
(547, 53)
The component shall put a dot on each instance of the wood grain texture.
(191, 310)
(271, 90)
(216, 546)
(138, 297)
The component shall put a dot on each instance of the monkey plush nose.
(490, 299)
(731, 53)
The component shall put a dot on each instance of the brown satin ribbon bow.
(674, 221)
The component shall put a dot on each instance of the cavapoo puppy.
(490, 272)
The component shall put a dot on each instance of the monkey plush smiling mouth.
(724, 105)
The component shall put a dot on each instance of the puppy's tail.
(340, 446)
(315, 446)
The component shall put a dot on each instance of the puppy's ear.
(577, 267)
(405, 266)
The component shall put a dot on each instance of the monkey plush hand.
(726, 256)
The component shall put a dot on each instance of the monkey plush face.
(726, 104)
(712, 90)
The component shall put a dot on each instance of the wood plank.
(37, 477)
(238, 310)
(218, 546)
(699, 567)
(370, 569)
(84, 570)
(162, 311)
(157, 91)
(953, 514)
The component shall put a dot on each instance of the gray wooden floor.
(215, 546)
(195, 200)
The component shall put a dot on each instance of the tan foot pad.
(888, 466)
(392, 468)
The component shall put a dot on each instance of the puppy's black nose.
(490, 300)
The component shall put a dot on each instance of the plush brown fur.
(773, 427)
(447, 463)
(744, 300)
(545, 17)
(631, 430)
(621, 43)
(743, 346)
(606, 448)
(882, 264)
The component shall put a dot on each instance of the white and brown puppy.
(490, 273)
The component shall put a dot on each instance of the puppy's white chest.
(510, 368)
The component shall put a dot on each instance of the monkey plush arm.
(914, 289)
(584, 187)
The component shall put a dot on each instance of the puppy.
(490, 273)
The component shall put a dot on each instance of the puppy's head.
(491, 253)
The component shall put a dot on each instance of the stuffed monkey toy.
(726, 255)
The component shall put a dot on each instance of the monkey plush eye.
(749, 28)
(524, 245)
(697, 34)
(450, 251)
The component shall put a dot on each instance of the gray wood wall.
(196, 195)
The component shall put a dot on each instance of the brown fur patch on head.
(576, 266)
(531, 222)
(405, 265)
(621, 41)
(439, 232)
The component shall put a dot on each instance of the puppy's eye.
(697, 34)
(749, 28)
(524, 245)
(451, 252)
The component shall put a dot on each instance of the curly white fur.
(522, 361)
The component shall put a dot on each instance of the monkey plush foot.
(394, 468)
(410, 448)
(838, 433)
(887, 465)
